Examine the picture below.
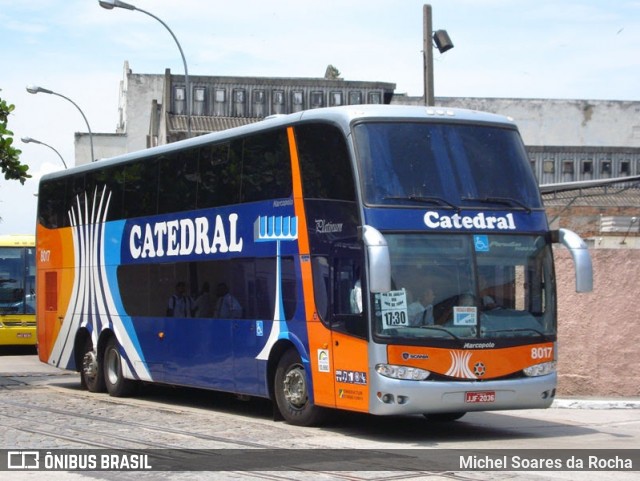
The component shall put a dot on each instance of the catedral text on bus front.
(380, 259)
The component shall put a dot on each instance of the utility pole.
(427, 52)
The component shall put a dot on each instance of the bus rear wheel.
(91, 376)
(292, 392)
(117, 385)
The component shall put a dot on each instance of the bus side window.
(348, 312)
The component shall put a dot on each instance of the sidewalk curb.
(569, 403)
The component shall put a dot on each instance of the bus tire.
(443, 417)
(117, 385)
(91, 374)
(291, 392)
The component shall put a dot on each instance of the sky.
(569, 49)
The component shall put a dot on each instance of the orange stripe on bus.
(472, 363)
(319, 336)
(303, 235)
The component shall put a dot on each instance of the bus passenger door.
(48, 327)
(349, 328)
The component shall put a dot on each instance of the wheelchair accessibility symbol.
(481, 243)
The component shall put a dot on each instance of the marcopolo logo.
(481, 221)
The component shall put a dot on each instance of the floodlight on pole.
(29, 140)
(35, 89)
(111, 4)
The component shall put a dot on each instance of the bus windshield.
(467, 287)
(448, 165)
(17, 280)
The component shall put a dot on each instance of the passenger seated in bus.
(180, 304)
(227, 306)
(466, 299)
(203, 305)
(420, 311)
(487, 299)
(489, 303)
(355, 298)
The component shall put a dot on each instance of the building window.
(587, 167)
(277, 101)
(297, 97)
(198, 94)
(375, 98)
(355, 98)
(335, 98)
(239, 96)
(567, 167)
(258, 96)
(549, 167)
(198, 101)
(625, 167)
(317, 100)
(179, 100)
(220, 95)
(297, 101)
(605, 168)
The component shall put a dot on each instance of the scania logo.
(479, 369)
(410, 355)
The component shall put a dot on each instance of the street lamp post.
(29, 140)
(111, 4)
(34, 89)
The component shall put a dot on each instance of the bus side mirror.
(581, 258)
(378, 259)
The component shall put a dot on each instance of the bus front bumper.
(392, 396)
(17, 336)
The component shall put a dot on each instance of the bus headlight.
(540, 369)
(402, 372)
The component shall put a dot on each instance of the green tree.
(9, 155)
(332, 73)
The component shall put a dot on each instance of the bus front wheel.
(117, 384)
(292, 392)
(91, 376)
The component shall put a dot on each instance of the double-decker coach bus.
(380, 259)
(17, 290)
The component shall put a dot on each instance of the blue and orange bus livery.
(324, 226)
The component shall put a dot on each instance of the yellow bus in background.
(17, 290)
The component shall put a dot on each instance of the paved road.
(44, 408)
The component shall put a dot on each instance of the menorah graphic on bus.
(276, 229)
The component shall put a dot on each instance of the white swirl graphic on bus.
(92, 304)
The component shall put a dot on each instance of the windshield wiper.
(500, 200)
(426, 200)
(523, 329)
(442, 329)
